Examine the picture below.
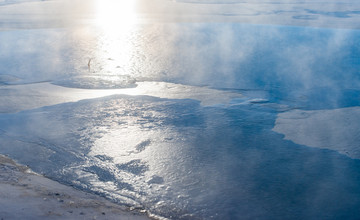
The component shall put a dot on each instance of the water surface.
(240, 119)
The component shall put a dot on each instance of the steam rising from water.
(190, 133)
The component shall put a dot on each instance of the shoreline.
(27, 195)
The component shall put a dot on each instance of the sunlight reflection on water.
(104, 53)
(116, 20)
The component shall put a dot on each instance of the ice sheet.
(174, 157)
(336, 129)
(15, 98)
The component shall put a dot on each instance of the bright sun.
(115, 13)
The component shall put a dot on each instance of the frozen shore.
(27, 195)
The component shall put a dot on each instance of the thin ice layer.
(336, 129)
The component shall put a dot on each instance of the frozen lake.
(189, 109)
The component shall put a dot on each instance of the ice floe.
(336, 129)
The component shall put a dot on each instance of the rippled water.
(190, 120)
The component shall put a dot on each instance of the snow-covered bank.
(26, 195)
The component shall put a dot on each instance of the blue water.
(179, 158)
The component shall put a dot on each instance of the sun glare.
(115, 14)
(116, 39)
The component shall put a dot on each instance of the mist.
(188, 109)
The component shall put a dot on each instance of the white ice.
(336, 129)
(16, 98)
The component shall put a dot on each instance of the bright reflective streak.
(112, 61)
